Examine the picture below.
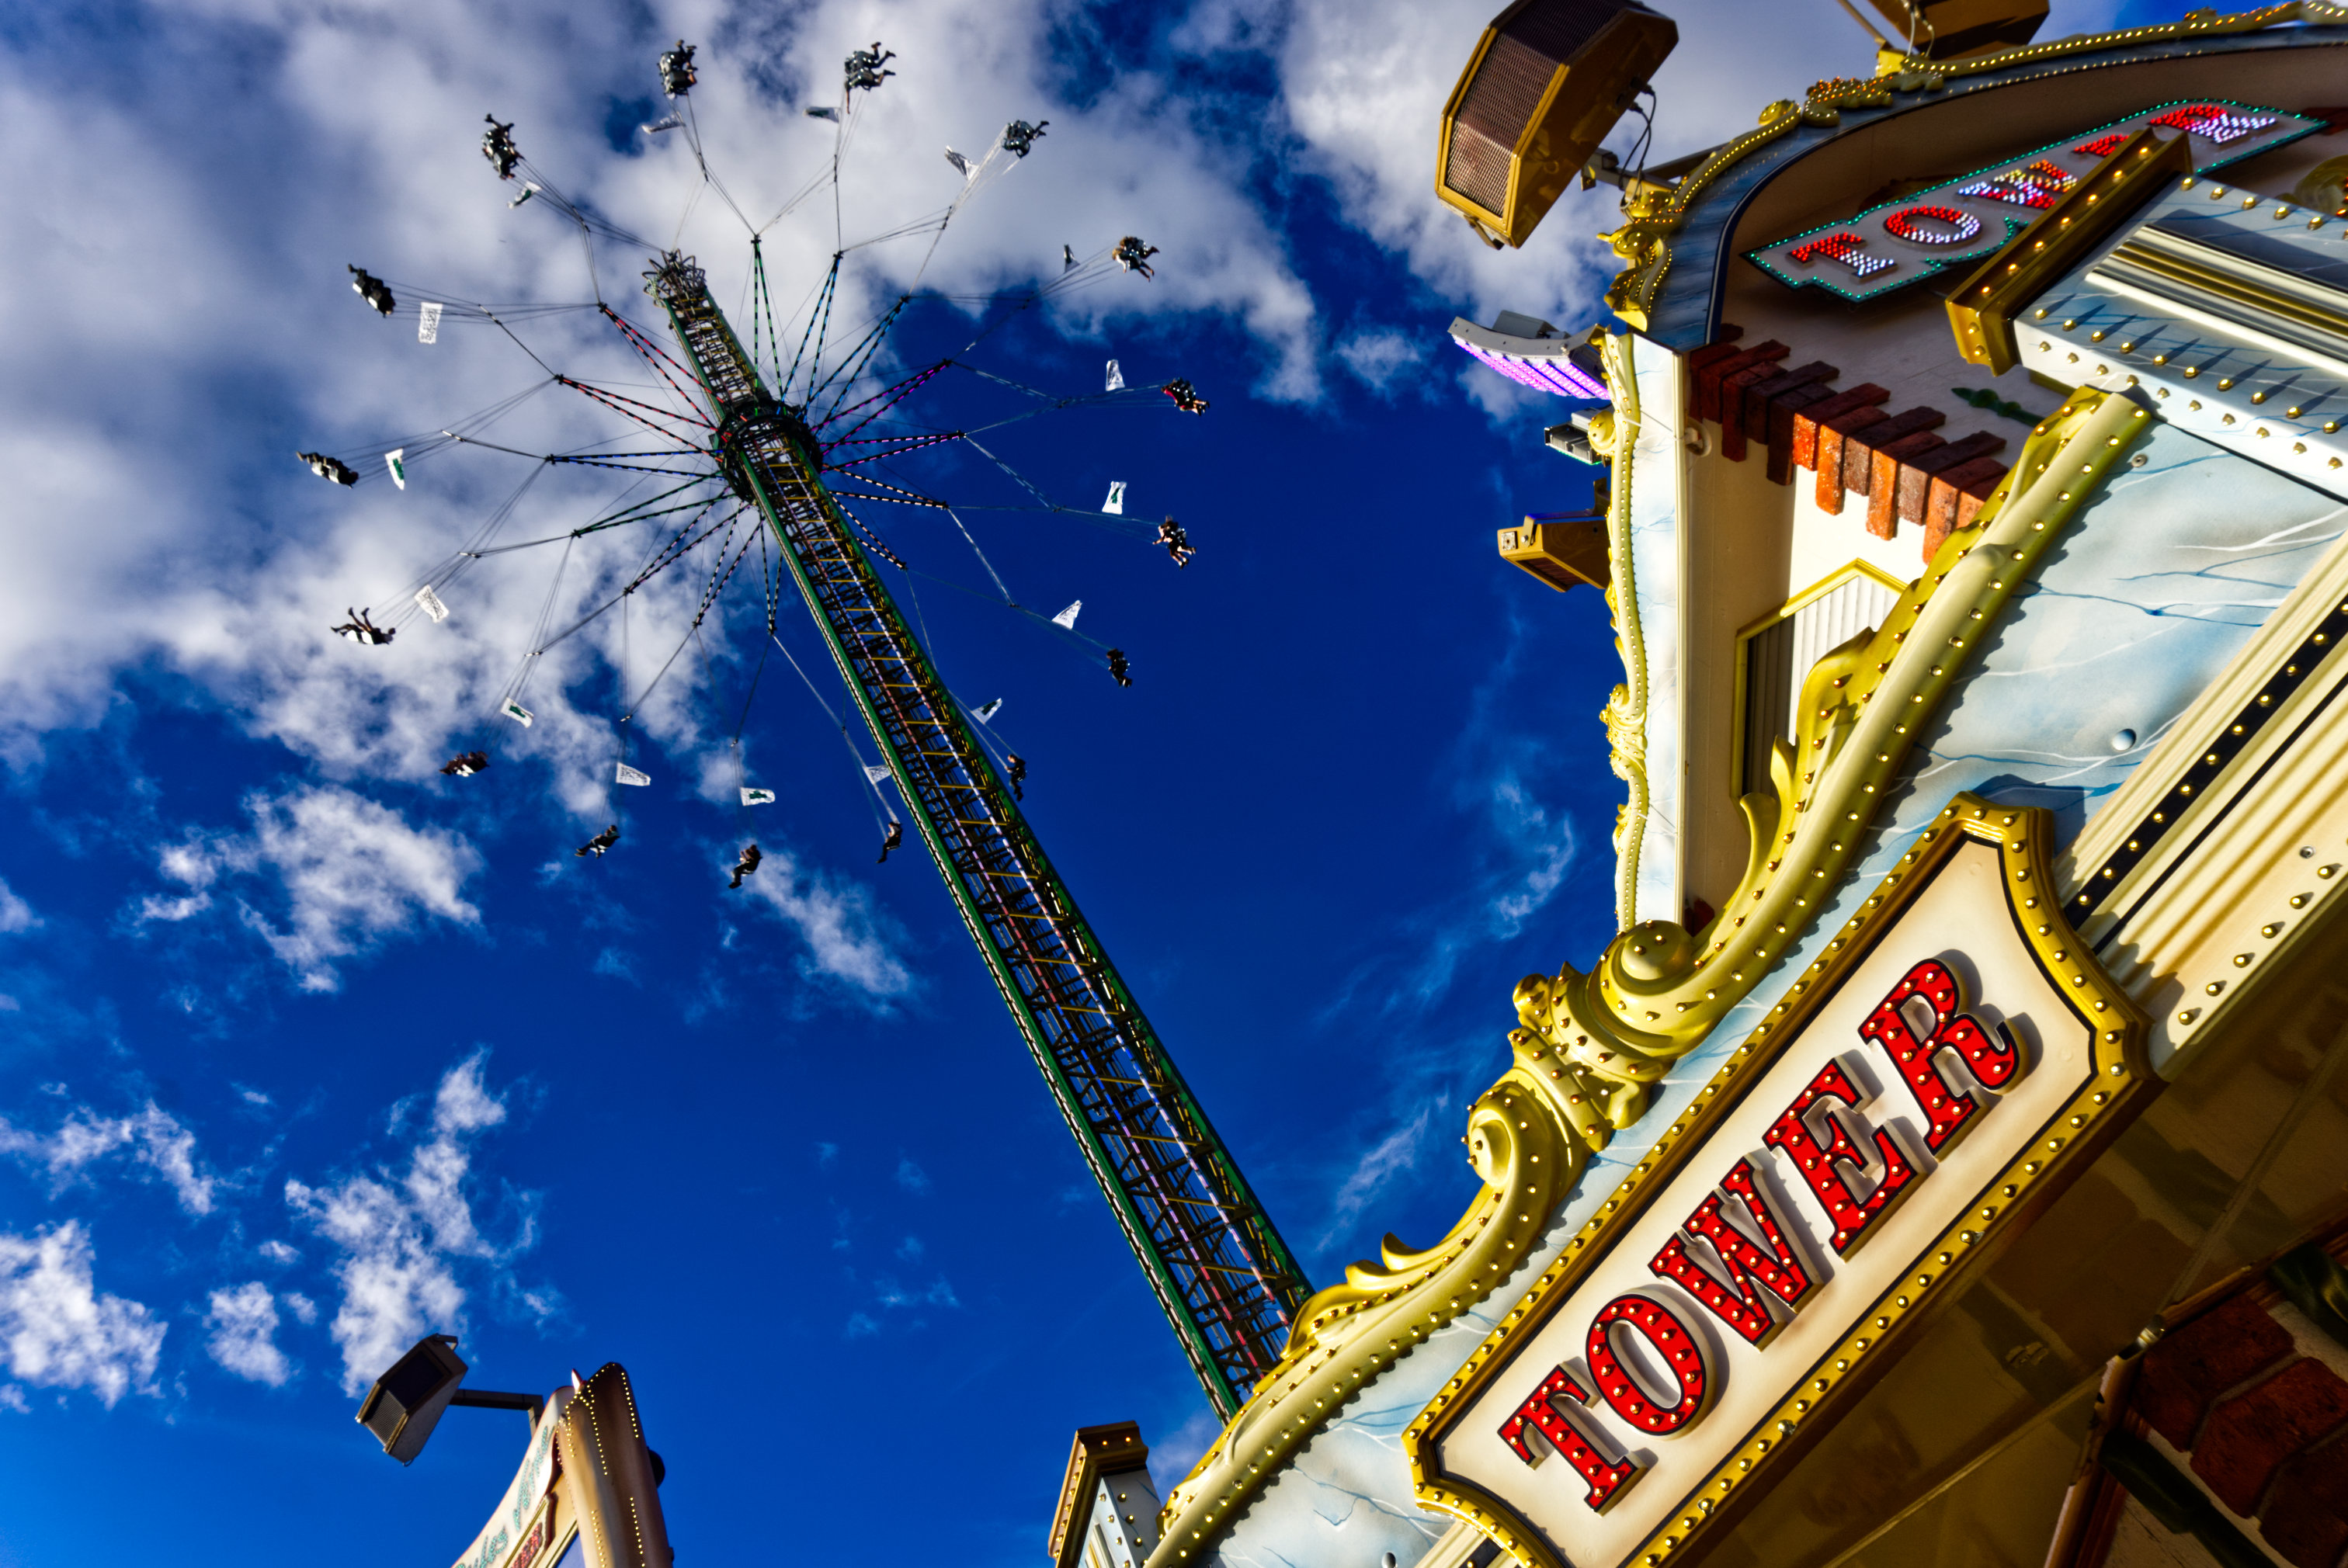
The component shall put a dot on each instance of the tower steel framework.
(1226, 1281)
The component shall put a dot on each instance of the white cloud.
(16, 915)
(326, 874)
(402, 1236)
(279, 1252)
(243, 1324)
(57, 1332)
(1392, 1156)
(1376, 357)
(152, 1137)
(912, 1178)
(844, 934)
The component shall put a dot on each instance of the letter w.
(1770, 1264)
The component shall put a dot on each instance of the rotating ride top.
(1226, 1281)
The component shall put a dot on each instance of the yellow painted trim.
(1759, 624)
(1626, 713)
(2119, 1086)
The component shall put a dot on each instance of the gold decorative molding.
(1652, 214)
(2116, 1084)
(1615, 437)
(1658, 990)
(1529, 1159)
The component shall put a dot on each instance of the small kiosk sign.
(1954, 1059)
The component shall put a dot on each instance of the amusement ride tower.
(1226, 1281)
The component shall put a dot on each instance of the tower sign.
(1942, 1071)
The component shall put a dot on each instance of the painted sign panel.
(511, 1529)
(1956, 1055)
(1960, 223)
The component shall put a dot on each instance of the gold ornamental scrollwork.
(1614, 436)
(1658, 990)
(1590, 1047)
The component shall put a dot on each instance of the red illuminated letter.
(1607, 1480)
(1678, 1350)
(1820, 1163)
(1773, 1264)
(1846, 248)
(1991, 1058)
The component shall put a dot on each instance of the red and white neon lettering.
(2211, 120)
(1680, 1351)
(1821, 1163)
(1907, 224)
(1776, 1267)
(1991, 1058)
(1607, 1480)
(2035, 186)
(1844, 247)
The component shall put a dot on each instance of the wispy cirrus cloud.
(151, 1138)
(406, 1236)
(322, 874)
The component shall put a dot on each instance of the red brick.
(2307, 1518)
(1733, 388)
(1757, 397)
(1809, 422)
(2187, 1369)
(1916, 474)
(2248, 1437)
(1782, 410)
(1883, 479)
(1708, 379)
(1700, 360)
(1951, 487)
(1858, 454)
(1834, 441)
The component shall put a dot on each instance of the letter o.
(1673, 1343)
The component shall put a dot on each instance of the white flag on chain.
(751, 796)
(876, 773)
(629, 775)
(1116, 502)
(431, 603)
(391, 460)
(517, 712)
(986, 711)
(1115, 377)
(428, 324)
(1067, 618)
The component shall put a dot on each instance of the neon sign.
(1963, 220)
(1838, 1180)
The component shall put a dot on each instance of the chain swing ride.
(770, 464)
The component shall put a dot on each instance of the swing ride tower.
(1225, 1280)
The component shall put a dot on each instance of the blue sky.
(306, 1050)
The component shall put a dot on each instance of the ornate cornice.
(1591, 1047)
(1652, 214)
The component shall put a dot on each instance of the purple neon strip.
(1559, 375)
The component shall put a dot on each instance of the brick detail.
(1845, 437)
(2189, 1369)
(1705, 383)
(1883, 470)
(1916, 475)
(2248, 1437)
(1956, 496)
(1782, 412)
(1758, 397)
(1808, 420)
(2307, 1516)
